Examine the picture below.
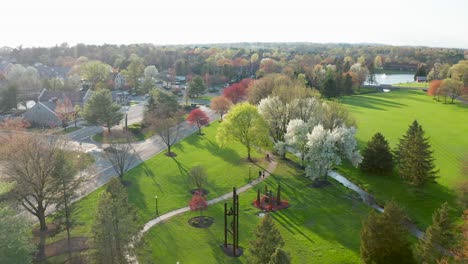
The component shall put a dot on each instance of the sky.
(435, 23)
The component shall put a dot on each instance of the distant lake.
(383, 78)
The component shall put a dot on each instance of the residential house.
(5, 67)
(421, 79)
(47, 72)
(119, 81)
(45, 112)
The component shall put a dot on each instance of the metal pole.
(156, 205)
(237, 221)
(225, 225)
(234, 222)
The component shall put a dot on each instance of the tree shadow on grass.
(372, 101)
(227, 154)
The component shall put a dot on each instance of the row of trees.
(452, 84)
(241, 57)
(412, 156)
(385, 239)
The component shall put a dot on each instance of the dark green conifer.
(414, 157)
(267, 240)
(377, 156)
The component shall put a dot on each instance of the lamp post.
(156, 199)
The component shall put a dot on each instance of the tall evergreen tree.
(268, 239)
(197, 86)
(438, 237)
(377, 156)
(414, 157)
(348, 84)
(383, 239)
(115, 224)
(101, 110)
(16, 244)
(8, 98)
(330, 88)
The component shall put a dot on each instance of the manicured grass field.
(413, 84)
(391, 114)
(321, 226)
(167, 178)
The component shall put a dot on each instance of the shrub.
(135, 128)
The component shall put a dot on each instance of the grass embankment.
(391, 114)
(321, 226)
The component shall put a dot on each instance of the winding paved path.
(271, 167)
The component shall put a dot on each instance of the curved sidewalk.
(271, 167)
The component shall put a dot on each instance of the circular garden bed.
(201, 221)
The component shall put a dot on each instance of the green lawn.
(391, 113)
(413, 85)
(321, 226)
(167, 178)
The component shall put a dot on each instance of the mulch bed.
(203, 191)
(171, 154)
(126, 183)
(201, 221)
(228, 250)
(61, 247)
(319, 184)
(274, 206)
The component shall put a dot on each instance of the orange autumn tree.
(434, 88)
(221, 105)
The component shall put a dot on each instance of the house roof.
(74, 96)
(49, 72)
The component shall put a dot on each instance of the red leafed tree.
(433, 87)
(235, 92)
(246, 82)
(198, 202)
(198, 117)
(221, 105)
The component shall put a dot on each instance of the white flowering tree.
(327, 148)
(276, 113)
(296, 137)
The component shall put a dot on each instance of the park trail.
(161, 218)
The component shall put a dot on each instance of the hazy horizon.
(400, 23)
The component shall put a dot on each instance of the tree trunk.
(42, 219)
(248, 153)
